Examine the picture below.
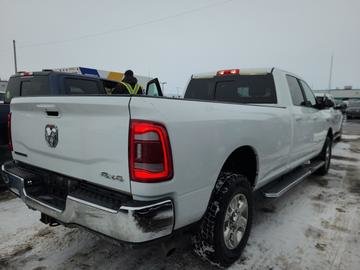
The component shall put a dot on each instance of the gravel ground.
(316, 225)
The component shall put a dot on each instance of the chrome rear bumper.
(135, 222)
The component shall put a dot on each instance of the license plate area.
(50, 189)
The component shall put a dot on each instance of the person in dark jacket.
(128, 86)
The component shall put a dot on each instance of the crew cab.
(139, 168)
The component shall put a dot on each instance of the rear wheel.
(225, 227)
(325, 156)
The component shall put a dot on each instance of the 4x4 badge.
(112, 177)
(51, 135)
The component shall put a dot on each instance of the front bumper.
(134, 222)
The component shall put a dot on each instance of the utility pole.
(15, 61)
(331, 70)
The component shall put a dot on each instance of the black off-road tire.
(324, 157)
(209, 242)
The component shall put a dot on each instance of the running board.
(285, 183)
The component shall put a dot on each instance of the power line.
(165, 18)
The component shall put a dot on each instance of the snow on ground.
(316, 225)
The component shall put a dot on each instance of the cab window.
(74, 86)
(308, 93)
(295, 91)
(35, 86)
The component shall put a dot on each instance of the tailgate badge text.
(112, 177)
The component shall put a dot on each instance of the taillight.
(10, 145)
(228, 72)
(150, 157)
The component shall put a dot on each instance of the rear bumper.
(134, 222)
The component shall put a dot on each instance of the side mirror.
(328, 103)
(324, 103)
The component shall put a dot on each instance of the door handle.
(298, 119)
(52, 113)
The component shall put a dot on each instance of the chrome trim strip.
(91, 204)
(6, 171)
(135, 208)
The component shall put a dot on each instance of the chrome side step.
(289, 180)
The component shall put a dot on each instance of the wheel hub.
(235, 221)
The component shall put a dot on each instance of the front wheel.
(325, 156)
(225, 227)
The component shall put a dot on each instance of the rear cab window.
(27, 86)
(256, 89)
(82, 86)
(51, 84)
(34, 86)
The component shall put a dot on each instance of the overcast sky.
(174, 39)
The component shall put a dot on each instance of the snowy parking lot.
(316, 225)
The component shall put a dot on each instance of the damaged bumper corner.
(134, 222)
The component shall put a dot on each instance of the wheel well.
(243, 161)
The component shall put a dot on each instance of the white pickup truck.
(139, 168)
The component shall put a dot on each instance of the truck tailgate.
(80, 137)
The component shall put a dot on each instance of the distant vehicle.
(337, 117)
(4, 110)
(53, 83)
(3, 85)
(341, 105)
(2, 96)
(4, 153)
(353, 109)
(140, 168)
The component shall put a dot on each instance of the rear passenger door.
(303, 129)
